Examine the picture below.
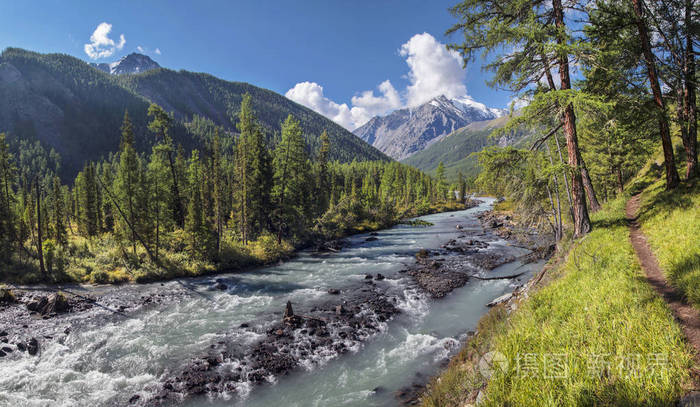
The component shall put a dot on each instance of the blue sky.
(339, 48)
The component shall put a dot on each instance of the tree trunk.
(620, 184)
(153, 258)
(566, 181)
(556, 227)
(556, 190)
(582, 223)
(157, 220)
(588, 186)
(682, 113)
(672, 178)
(690, 141)
(179, 210)
(39, 239)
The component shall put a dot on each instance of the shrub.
(267, 249)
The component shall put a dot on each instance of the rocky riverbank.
(441, 271)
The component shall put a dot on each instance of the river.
(109, 357)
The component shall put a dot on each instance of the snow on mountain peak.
(406, 131)
(467, 102)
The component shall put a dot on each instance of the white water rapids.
(107, 358)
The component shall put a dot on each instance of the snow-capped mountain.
(407, 131)
(132, 63)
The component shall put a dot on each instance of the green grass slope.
(671, 222)
(597, 334)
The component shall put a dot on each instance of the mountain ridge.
(407, 131)
(77, 109)
(129, 64)
(455, 149)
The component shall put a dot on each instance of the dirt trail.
(687, 316)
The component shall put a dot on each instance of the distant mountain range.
(77, 108)
(132, 63)
(405, 132)
(455, 149)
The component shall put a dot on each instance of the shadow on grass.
(686, 274)
(667, 201)
(618, 221)
(613, 394)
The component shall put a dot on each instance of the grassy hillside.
(611, 339)
(454, 150)
(77, 109)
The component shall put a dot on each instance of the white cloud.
(101, 46)
(365, 106)
(433, 71)
(157, 51)
(141, 49)
(310, 94)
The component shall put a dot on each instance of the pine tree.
(261, 202)
(88, 201)
(160, 126)
(39, 225)
(291, 177)
(194, 222)
(543, 42)
(253, 174)
(158, 171)
(440, 175)
(58, 217)
(672, 178)
(323, 187)
(126, 185)
(462, 185)
(8, 221)
(218, 186)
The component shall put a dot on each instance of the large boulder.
(53, 304)
(33, 346)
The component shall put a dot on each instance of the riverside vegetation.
(238, 203)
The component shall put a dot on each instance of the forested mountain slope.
(187, 94)
(77, 109)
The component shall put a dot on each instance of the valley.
(454, 203)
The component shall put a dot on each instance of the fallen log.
(499, 277)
